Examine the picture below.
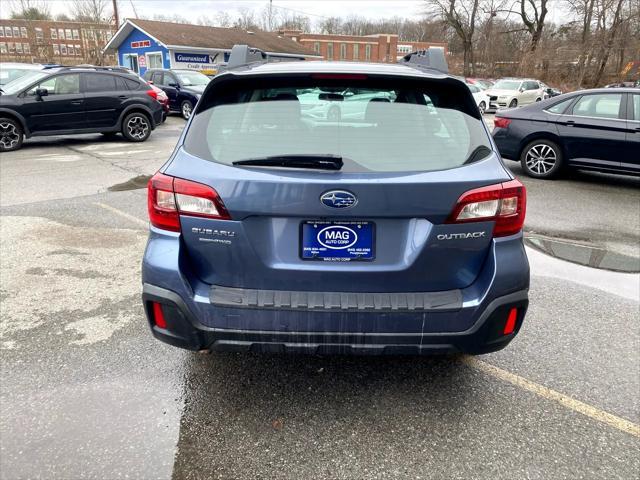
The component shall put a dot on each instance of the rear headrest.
(289, 106)
(376, 112)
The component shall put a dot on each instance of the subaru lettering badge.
(338, 199)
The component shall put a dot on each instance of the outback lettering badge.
(460, 236)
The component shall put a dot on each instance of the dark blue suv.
(395, 228)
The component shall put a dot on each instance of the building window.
(26, 47)
(63, 49)
(68, 33)
(39, 35)
(54, 34)
(12, 47)
(7, 32)
(329, 51)
(16, 32)
(367, 52)
(343, 51)
(70, 50)
(78, 50)
(154, 60)
(56, 49)
(3, 47)
(1, 32)
(316, 47)
(23, 32)
(19, 48)
(61, 34)
(76, 35)
(356, 51)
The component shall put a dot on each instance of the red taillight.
(169, 197)
(152, 93)
(501, 122)
(158, 315)
(510, 325)
(504, 203)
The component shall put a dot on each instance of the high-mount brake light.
(505, 203)
(339, 76)
(501, 122)
(169, 197)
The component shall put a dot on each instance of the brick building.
(48, 41)
(380, 47)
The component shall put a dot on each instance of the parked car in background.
(590, 129)
(514, 92)
(72, 100)
(183, 87)
(481, 98)
(272, 231)
(347, 104)
(11, 71)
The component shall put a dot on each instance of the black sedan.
(590, 129)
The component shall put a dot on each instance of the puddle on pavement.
(132, 184)
(586, 255)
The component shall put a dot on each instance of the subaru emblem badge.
(338, 199)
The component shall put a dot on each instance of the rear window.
(374, 128)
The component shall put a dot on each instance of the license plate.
(337, 241)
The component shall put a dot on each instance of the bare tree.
(461, 16)
(90, 10)
(30, 9)
(331, 25)
(608, 40)
(246, 19)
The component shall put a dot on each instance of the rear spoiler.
(433, 58)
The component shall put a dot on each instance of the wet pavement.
(88, 393)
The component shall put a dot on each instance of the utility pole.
(270, 16)
(115, 14)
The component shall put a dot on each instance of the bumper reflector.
(158, 315)
(510, 326)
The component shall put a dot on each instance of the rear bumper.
(201, 316)
(185, 331)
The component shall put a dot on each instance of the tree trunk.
(604, 58)
(468, 58)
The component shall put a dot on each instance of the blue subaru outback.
(326, 207)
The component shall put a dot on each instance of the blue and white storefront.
(138, 50)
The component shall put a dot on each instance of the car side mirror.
(42, 92)
(521, 89)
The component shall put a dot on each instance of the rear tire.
(11, 135)
(542, 159)
(136, 127)
(186, 108)
(513, 103)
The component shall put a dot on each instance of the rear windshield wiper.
(323, 162)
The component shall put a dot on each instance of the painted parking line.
(122, 214)
(549, 394)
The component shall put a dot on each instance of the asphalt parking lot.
(88, 393)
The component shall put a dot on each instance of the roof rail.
(432, 58)
(244, 55)
(88, 67)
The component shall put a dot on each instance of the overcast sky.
(315, 9)
(191, 10)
